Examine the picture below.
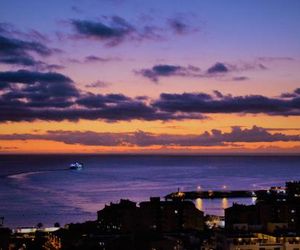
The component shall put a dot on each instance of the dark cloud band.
(144, 139)
(31, 95)
(16, 50)
(216, 70)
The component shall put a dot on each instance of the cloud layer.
(19, 51)
(205, 103)
(218, 69)
(113, 33)
(29, 95)
(114, 30)
(165, 70)
(143, 139)
(32, 95)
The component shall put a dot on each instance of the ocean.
(41, 188)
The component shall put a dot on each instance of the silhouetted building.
(242, 218)
(118, 217)
(277, 209)
(263, 217)
(259, 241)
(168, 216)
(157, 215)
(154, 224)
(4, 238)
(293, 190)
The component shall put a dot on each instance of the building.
(170, 216)
(5, 234)
(277, 209)
(120, 217)
(154, 224)
(261, 241)
(156, 215)
(293, 190)
(242, 218)
(264, 217)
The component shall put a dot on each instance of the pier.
(211, 194)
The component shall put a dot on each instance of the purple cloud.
(165, 70)
(98, 84)
(218, 68)
(31, 95)
(19, 51)
(145, 139)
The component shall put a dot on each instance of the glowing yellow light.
(199, 204)
(225, 203)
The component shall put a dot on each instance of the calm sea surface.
(40, 188)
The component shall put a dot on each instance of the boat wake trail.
(25, 174)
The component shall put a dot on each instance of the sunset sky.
(125, 76)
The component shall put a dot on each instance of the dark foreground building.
(275, 210)
(120, 217)
(170, 216)
(273, 223)
(154, 224)
(153, 215)
(4, 237)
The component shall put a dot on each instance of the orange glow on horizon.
(190, 127)
(45, 146)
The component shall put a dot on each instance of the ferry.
(76, 166)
